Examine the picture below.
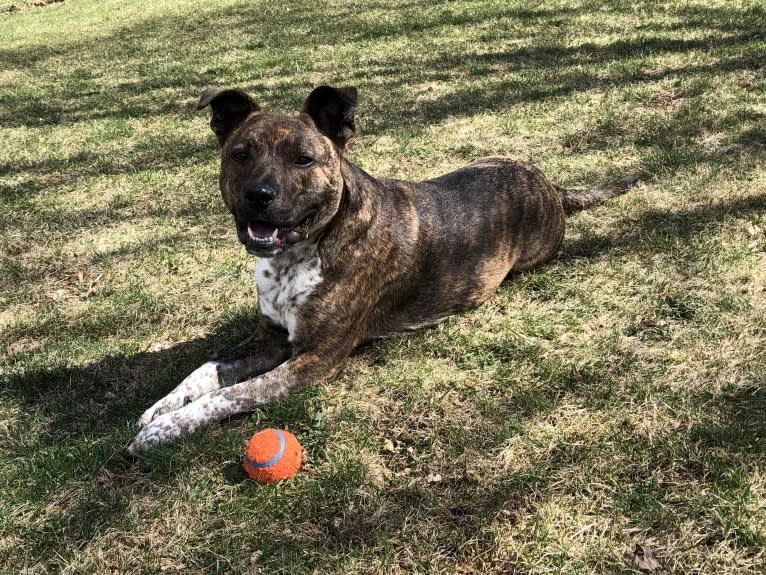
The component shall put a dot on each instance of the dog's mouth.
(263, 238)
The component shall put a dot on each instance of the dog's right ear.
(230, 108)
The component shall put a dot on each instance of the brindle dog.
(344, 257)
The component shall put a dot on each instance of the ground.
(615, 398)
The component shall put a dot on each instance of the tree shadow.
(452, 518)
(100, 399)
(107, 393)
(654, 226)
(29, 178)
(496, 75)
(734, 420)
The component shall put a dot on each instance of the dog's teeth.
(250, 234)
(276, 231)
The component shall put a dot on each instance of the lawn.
(615, 398)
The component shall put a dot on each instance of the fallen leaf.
(404, 472)
(644, 558)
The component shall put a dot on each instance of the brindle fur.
(395, 256)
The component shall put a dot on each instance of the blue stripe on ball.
(274, 459)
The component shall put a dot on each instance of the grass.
(614, 398)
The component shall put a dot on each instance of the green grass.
(615, 397)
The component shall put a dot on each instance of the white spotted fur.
(202, 380)
(293, 275)
(182, 421)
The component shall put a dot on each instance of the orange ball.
(272, 455)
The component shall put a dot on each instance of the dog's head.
(281, 175)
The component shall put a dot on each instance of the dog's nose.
(259, 195)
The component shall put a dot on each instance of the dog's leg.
(263, 351)
(239, 398)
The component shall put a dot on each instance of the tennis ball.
(272, 455)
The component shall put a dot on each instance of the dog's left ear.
(230, 108)
(332, 110)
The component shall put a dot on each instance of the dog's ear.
(332, 110)
(230, 108)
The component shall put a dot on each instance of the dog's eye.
(304, 161)
(240, 156)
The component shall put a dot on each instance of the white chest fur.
(285, 281)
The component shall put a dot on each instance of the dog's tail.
(576, 200)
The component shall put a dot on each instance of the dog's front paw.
(202, 380)
(163, 406)
(163, 429)
(167, 404)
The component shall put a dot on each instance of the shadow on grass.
(82, 400)
(88, 411)
(735, 420)
(97, 401)
(650, 231)
(161, 152)
(455, 519)
(89, 407)
(500, 79)
(490, 80)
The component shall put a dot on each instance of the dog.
(343, 257)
